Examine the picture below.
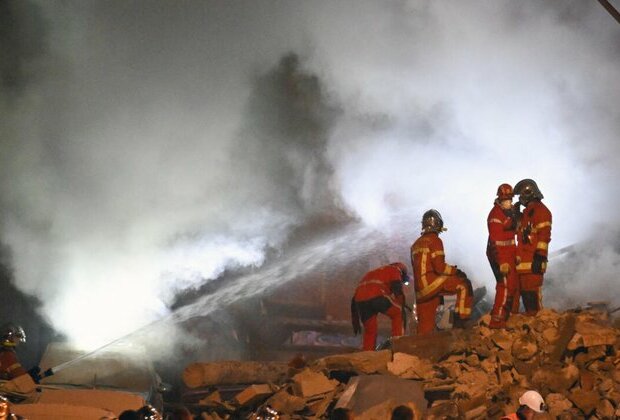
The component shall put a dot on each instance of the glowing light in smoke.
(105, 165)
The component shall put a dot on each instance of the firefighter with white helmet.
(435, 279)
(530, 403)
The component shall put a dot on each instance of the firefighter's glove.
(504, 268)
(537, 263)
(396, 287)
(460, 273)
(35, 374)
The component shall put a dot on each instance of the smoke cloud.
(147, 148)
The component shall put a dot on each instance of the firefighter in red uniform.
(10, 336)
(435, 279)
(380, 291)
(533, 237)
(502, 253)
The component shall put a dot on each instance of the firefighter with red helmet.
(533, 237)
(435, 279)
(380, 291)
(502, 253)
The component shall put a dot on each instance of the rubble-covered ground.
(572, 358)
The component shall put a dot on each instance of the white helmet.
(533, 400)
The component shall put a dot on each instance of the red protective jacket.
(9, 364)
(501, 246)
(378, 282)
(533, 235)
(429, 265)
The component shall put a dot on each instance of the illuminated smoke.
(148, 148)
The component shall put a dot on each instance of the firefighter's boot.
(460, 323)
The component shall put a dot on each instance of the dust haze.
(147, 148)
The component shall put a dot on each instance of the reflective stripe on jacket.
(429, 264)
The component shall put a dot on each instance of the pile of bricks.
(572, 358)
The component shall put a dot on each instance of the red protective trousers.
(533, 237)
(426, 309)
(433, 278)
(502, 253)
(370, 327)
(375, 295)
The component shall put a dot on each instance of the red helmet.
(504, 192)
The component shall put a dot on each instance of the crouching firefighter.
(380, 291)
(20, 380)
(502, 254)
(433, 278)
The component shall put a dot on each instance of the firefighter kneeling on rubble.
(10, 368)
(435, 279)
(10, 337)
(380, 291)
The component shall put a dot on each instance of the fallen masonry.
(572, 358)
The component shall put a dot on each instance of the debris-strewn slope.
(571, 358)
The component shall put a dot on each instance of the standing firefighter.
(533, 237)
(502, 253)
(380, 291)
(435, 279)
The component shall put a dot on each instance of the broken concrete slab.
(253, 394)
(233, 372)
(551, 335)
(502, 339)
(566, 330)
(586, 380)
(319, 407)
(433, 347)
(556, 379)
(524, 347)
(367, 391)
(473, 360)
(557, 404)
(286, 403)
(604, 410)
(590, 333)
(590, 354)
(476, 413)
(586, 401)
(365, 362)
(383, 410)
(308, 383)
(407, 366)
(445, 410)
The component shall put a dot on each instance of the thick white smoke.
(160, 144)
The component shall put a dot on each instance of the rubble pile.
(571, 358)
